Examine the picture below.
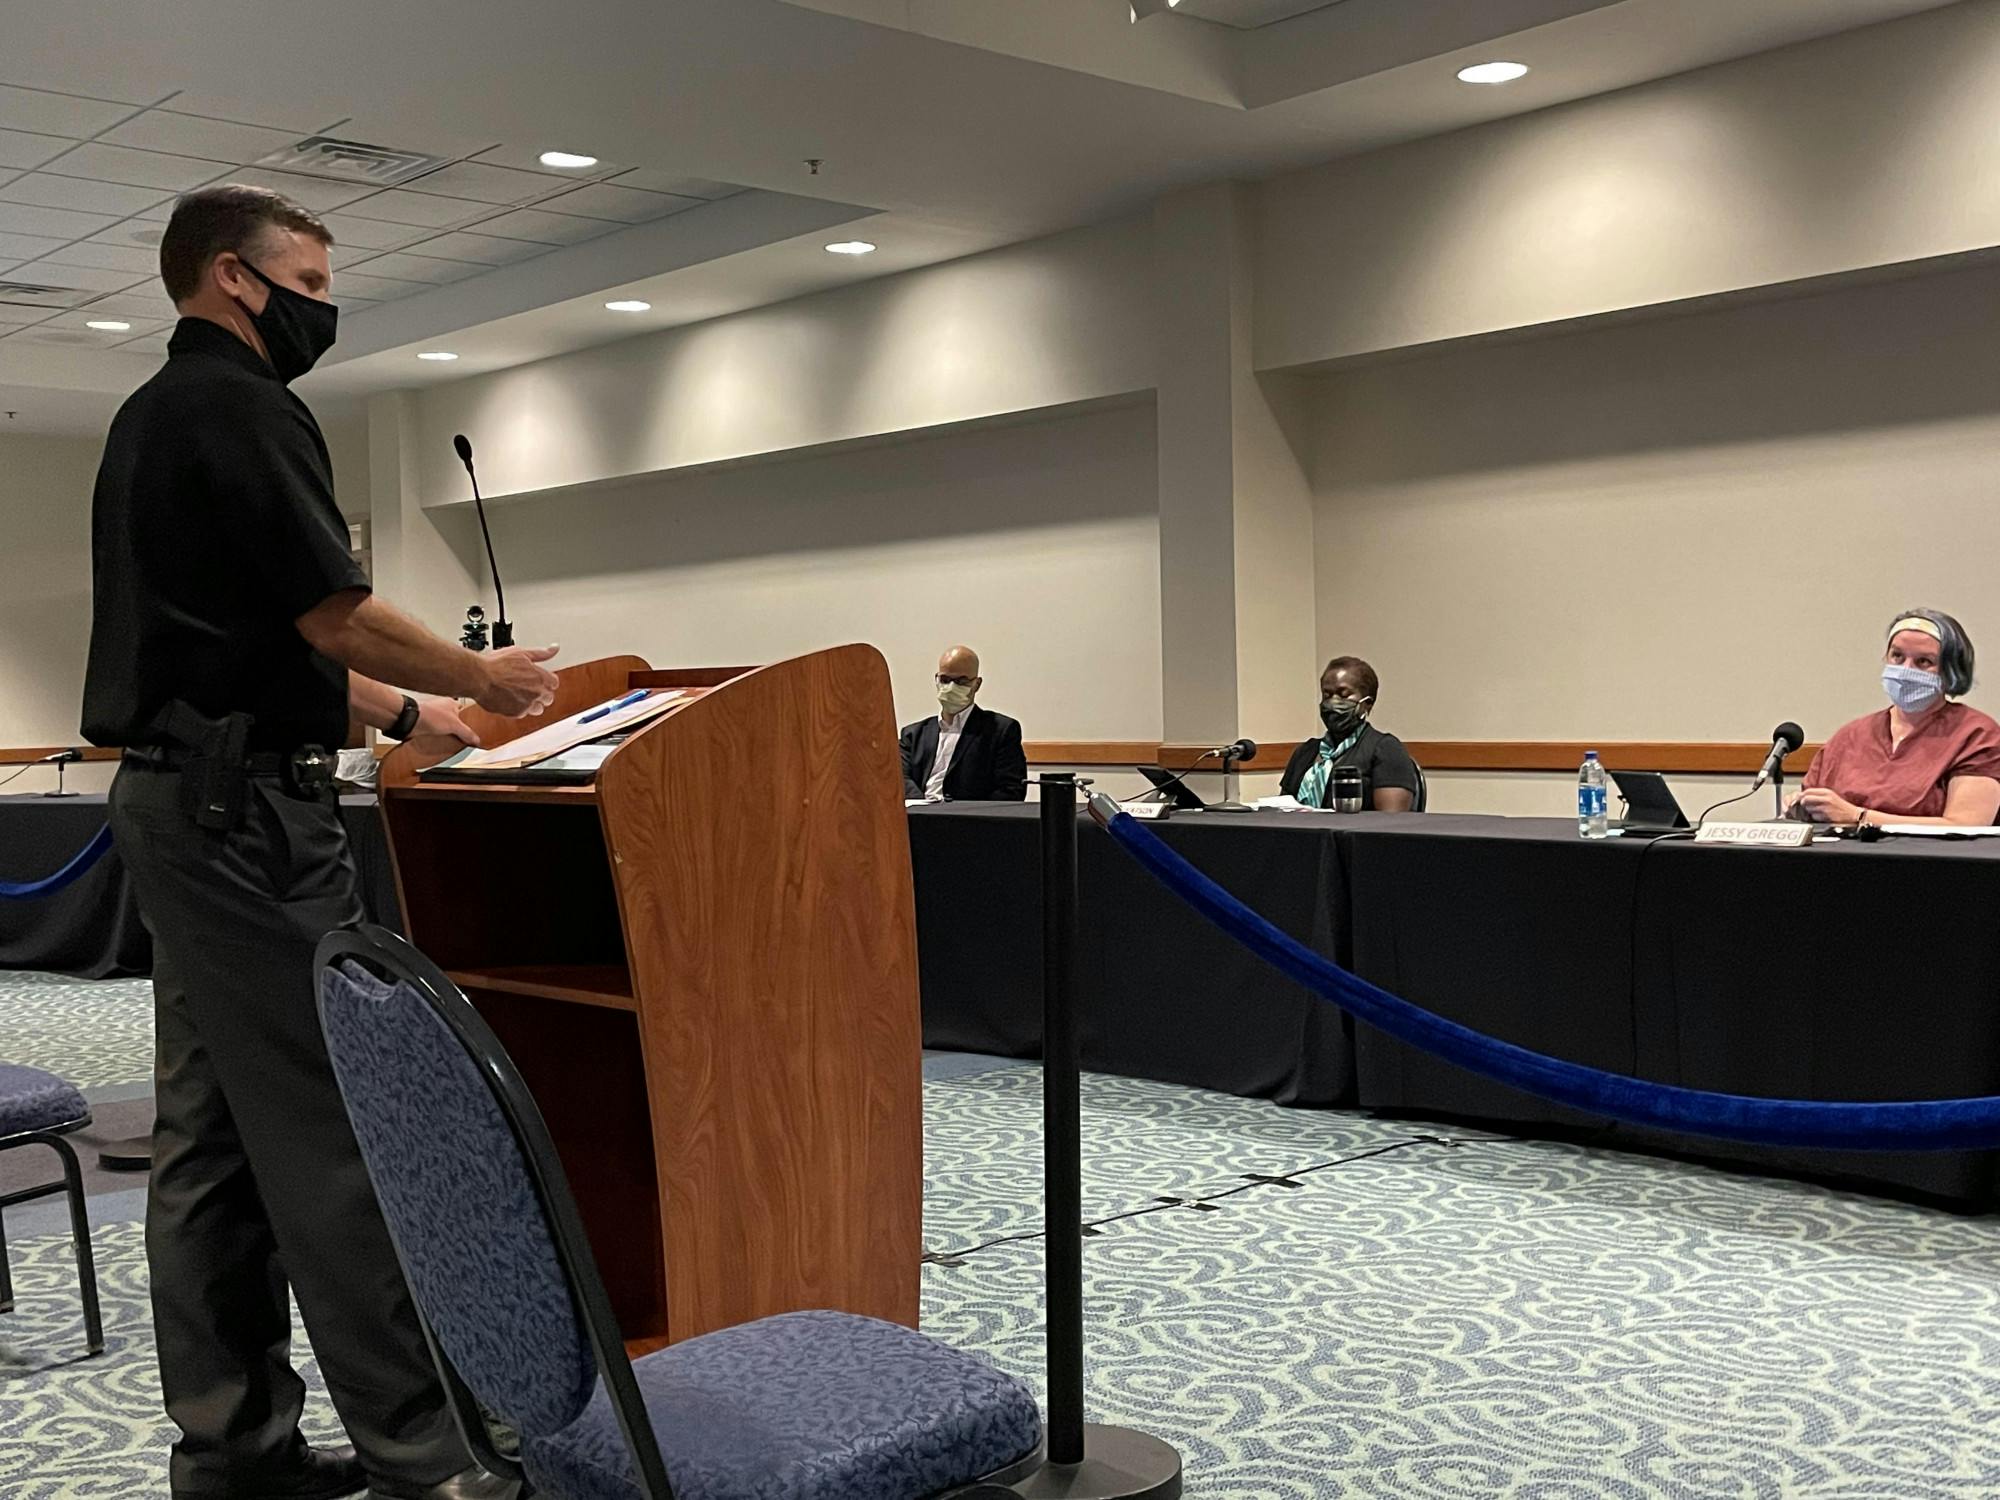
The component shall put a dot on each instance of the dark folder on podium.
(711, 991)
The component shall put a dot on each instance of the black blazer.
(988, 765)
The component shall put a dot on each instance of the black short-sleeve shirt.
(1382, 759)
(213, 529)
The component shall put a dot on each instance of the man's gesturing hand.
(516, 681)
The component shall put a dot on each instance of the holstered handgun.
(214, 779)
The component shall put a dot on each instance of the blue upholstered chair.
(802, 1406)
(39, 1109)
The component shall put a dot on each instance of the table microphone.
(502, 631)
(1240, 750)
(1785, 739)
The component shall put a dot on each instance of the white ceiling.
(943, 128)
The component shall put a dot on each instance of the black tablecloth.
(1840, 971)
(92, 928)
(1162, 994)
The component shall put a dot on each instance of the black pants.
(257, 1182)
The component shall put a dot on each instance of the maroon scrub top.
(1910, 779)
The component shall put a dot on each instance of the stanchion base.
(1118, 1464)
(133, 1154)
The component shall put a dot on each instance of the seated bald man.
(963, 753)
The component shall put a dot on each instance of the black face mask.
(296, 329)
(1340, 715)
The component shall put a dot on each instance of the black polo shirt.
(1382, 759)
(213, 529)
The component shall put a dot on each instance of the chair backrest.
(474, 1196)
(1423, 802)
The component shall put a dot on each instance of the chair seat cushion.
(802, 1406)
(33, 1100)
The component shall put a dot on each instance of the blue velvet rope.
(69, 874)
(1918, 1125)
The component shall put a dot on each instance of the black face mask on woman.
(1341, 715)
(296, 329)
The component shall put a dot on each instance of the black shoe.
(472, 1484)
(317, 1474)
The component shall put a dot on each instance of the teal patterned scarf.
(1312, 790)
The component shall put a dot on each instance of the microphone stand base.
(1118, 1464)
(1231, 806)
(62, 794)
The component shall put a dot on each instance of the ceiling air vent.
(27, 294)
(352, 161)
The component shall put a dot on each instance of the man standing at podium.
(232, 638)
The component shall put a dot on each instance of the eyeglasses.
(946, 680)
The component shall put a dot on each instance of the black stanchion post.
(1086, 1461)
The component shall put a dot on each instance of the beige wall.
(44, 592)
(1036, 325)
(1037, 543)
(1870, 148)
(1688, 528)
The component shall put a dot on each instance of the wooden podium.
(705, 966)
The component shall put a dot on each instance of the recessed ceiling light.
(850, 247)
(629, 304)
(567, 160)
(108, 325)
(1493, 72)
(438, 354)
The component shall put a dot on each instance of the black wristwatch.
(406, 721)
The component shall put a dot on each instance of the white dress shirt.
(949, 727)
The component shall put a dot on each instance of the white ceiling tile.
(348, 255)
(106, 257)
(57, 114)
(134, 234)
(485, 184)
(549, 229)
(137, 302)
(404, 206)
(528, 159)
(601, 200)
(371, 234)
(197, 135)
(18, 247)
(407, 267)
(19, 317)
(486, 249)
(374, 288)
(288, 111)
(46, 190)
(159, 213)
(314, 193)
(21, 148)
(59, 223)
(151, 169)
(87, 278)
(675, 183)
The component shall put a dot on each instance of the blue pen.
(611, 708)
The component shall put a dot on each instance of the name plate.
(1771, 835)
(1147, 811)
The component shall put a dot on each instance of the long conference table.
(1840, 971)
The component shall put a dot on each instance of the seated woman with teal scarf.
(1347, 693)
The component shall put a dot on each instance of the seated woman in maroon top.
(1925, 758)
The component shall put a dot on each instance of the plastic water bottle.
(1592, 809)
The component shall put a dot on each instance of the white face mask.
(956, 697)
(1911, 690)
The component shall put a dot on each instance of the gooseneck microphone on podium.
(1228, 755)
(503, 631)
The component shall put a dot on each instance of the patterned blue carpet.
(1395, 1316)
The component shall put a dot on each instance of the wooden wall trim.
(1672, 756)
(29, 755)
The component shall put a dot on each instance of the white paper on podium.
(553, 739)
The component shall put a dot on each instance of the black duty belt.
(305, 772)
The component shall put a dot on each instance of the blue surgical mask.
(1912, 691)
